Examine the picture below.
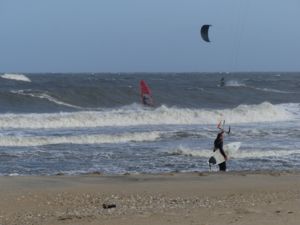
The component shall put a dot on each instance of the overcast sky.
(149, 35)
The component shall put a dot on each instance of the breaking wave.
(234, 83)
(25, 141)
(18, 77)
(259, 154)
(274, 90)
(137, 115)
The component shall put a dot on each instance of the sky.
(149, 35)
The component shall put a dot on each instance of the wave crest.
(137, 115)
(259, 154)
(18, 77)
(24, 141)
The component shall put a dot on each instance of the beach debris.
(109, 206)
(96, 173)
(65, 217)
(60, 174)
(202, 174)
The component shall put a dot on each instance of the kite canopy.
(204, 32)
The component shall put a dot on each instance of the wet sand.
(180, 198)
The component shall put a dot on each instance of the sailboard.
(146, 94)
(229, 149)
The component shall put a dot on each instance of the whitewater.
(85, 123)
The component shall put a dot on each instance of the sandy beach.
(179, 198)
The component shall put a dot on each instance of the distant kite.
(204, 32)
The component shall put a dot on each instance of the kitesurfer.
(218, 144)
(222, 82)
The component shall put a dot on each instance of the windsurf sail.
(204, 32)
(146, 94)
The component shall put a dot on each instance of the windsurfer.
(146, 96)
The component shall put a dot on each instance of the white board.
(229, 149)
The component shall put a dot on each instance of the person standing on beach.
(218, 144)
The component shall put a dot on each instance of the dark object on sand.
(109, 206)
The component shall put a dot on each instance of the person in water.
(222, 82)
(218, 144)
(147, 100)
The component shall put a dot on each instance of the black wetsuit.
(147, 100)
(219, 145)
(222, 82)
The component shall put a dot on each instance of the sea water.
(86, 123)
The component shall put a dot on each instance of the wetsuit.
(222, 82)
(219, 145)
(147, 100)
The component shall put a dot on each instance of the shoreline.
(175, 198)
(172, 173)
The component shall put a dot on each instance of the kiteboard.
(146, 94)
(229, 150)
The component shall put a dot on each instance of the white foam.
(273, 90)
(18, 77)
(186, 151)
(13, 174)
(234, 83)
(241, 154)
(25, 141)
(266, 154)
(292, 108)
(134, 116)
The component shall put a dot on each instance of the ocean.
(95, 123)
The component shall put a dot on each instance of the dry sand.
(192, 198)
